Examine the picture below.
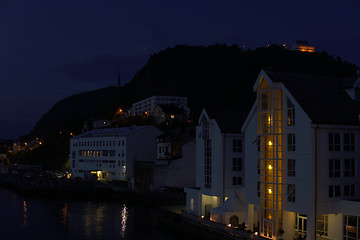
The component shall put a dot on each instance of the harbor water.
(24, 217)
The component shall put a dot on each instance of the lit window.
(192, 204)
(351, 227)
(301, 224)
(291, 193)
(322, 225)
(291, 142)
(349, 167)
(334, 168)
(349, 142)
(291, 113)
(172, 116)
(334, 141)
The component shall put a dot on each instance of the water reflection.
(25, 214)
(63, 214)
(124, 215)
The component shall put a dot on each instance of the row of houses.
(287, 169)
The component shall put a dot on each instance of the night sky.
(53, 49)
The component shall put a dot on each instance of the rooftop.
(322, 98)
(115, 132)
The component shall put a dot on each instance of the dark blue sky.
(50, 50)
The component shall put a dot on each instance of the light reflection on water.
(124, 215)
(24, 217)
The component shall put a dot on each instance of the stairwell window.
(291, 167)
(291, 142)
(291, 193)
(291, 113)
(334, 142)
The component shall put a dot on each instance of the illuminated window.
(351, 227)
(322, 225)
(291, 113)
(291, 142)
(301, 224)
(237, 164)
(334, 168)
(291, 167)
(172, 116)
(237, 145)
(349, 190)
(349, 167)
(334, 191)
(334, 142)
(192, 204)
(291, 193)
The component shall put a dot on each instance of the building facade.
(219, 161)
(302, 159)
(111, 153)
(147, 105)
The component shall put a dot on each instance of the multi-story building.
(147, 105)
(219, 161)
(110, 153)
(302, 141)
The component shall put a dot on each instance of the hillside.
(217, 76)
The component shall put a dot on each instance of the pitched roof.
(115, 132)
(322, 98)
(229, 121)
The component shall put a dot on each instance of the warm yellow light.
(40, 143)
(269, 119)
(202, 216)
(172, 116)
(25, 144)
(229, 225)
(256, 233)
(270, 143)
(270, 167)
(104, 123)
(270, 191)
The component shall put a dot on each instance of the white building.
(110, 153)
(175, 163)
(302, 141)
(219, 162)
(147, 105)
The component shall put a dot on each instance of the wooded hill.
(217, 76)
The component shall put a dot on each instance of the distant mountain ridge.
(217, 76)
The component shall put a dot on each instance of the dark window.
(237, 164)
(334, 142)
(334, 168)
(237, 145)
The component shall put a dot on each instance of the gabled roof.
(322, 98)
(229, 121)
(114, 132)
